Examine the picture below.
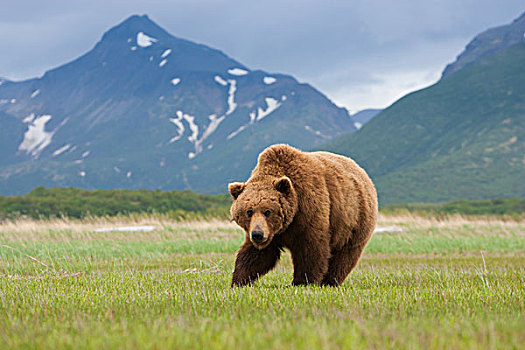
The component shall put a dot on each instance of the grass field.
(456, 283)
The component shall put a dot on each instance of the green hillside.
(462, 138)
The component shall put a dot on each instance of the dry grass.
(455, 224)
(64, 229)
(425, 221)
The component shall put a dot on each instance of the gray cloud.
(359, 53)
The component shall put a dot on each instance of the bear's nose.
(257, 236)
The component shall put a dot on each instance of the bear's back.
(282, 159)
(342, 166)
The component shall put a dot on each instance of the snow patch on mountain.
(253, 117)
(231, 96)
(29, 118)
(269, 80)
(241, 128)
(237, 71)
(193, 127)
(214, 119)
(61, 150)
(231, 92)
(220, 80)
(272, 104)
(180, 126)
(317, 132)
(36, 138)
(214, 124)
(144, 40)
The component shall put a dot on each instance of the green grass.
(438, 284)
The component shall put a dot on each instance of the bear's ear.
(283, 185)
(236, 189)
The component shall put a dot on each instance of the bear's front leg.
(310, 261)
(251, 263)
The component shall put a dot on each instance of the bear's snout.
(259, 231)
(257, 236)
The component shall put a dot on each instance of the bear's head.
(263, 208)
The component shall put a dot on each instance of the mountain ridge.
(362, 117)
(488, 42)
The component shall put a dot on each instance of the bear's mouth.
(261, 244)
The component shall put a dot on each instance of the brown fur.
(321, 206)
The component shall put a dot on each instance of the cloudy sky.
(360, 53)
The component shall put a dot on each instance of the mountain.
(362, 117)
(145, 109)
(488, 42)
(462, 138)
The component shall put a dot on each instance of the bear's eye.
(267, 213)
(249, 212)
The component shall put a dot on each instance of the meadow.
(423, 283)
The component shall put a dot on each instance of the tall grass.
(436, 284)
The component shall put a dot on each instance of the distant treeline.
(77, 203)
(509, 207)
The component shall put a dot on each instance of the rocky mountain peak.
(145, 109)
(488, 42)
(141, 37)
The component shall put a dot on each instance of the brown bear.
(321, 206)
